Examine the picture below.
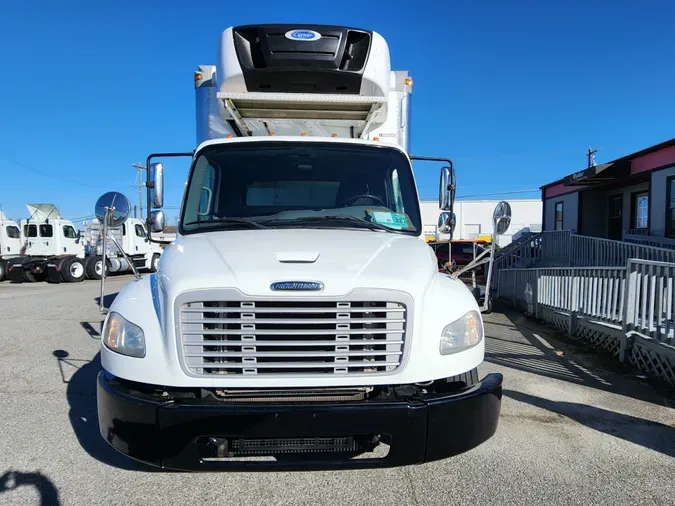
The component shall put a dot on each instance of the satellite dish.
(118, 205)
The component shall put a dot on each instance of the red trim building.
(634, 194)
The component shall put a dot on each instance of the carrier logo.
(303, 35)
(297, 286)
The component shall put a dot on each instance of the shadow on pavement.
(80, 375)
(512, 340)
(653, 435)
(107, 299)
(12, 480)
(91, 330)
(81, 394)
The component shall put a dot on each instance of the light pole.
(141, 184)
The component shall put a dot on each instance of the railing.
(649, 302)
(639, 297)
(648, 240)
(596, 292)
(635, 231)
(630, 311)
(591, 251)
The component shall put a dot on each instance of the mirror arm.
(149, 185)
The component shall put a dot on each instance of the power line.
(498, 193)
(46, 174)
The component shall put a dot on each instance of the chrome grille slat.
(293, 321)
(353, 342)
(297, 332)
(298, 309)
(236, 354)
(282, 337)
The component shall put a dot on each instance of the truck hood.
(252, 260)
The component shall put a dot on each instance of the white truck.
(299, 316)
(132, 236)
(52, 249)
(10, 243)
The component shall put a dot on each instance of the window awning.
(598, 174)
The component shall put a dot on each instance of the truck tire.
(154, 263)
(3, 269)
(469, 378)
(28, 276)
(93, 267)
(72, 270)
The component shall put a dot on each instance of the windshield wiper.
(226, 221)
(362, 222)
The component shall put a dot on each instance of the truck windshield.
(301, 184)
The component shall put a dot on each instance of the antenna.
(591, 156)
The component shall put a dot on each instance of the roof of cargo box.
(314, 80)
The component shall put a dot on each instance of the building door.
(615, 225)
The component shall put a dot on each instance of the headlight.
(123, 336)
(462, 334)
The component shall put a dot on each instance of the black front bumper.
(169, 434)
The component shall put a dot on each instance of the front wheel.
(3, 269)
(154, 263)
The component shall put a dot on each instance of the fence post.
(626, 343)
(535, 293)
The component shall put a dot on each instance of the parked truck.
(10, 242)
(132, 236)
(52, 249)
(299, 316)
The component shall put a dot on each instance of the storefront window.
(558, 215)
(670, 207)
(641, 210)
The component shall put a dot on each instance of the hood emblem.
(297, 286)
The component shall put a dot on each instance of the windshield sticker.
(388, 219)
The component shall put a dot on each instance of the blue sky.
(514, 92)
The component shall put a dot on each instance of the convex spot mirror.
(157, 184)
(446, 223)
(115, 206)
(501, 218)
(446, 189)
(158, 221)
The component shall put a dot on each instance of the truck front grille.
(300, 337)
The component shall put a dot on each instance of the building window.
(558, 216)
(670, 207)
(640, 210)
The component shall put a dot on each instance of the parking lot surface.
(572, 430)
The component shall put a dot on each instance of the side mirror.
(158, 221)
(79, 236)
(446, 223)
(501, 218)
(446, 189)
(157, 187)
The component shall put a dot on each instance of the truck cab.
(10, 242)
(45, 233)
(299, 316)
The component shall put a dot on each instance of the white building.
(474, 218)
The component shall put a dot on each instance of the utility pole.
(141, 184)
(591, 157)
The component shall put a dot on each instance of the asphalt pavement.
(574, 429)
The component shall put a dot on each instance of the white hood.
(340, 259)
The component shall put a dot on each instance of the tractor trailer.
(52, 249)
(299, 317)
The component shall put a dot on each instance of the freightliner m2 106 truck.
(299, 316)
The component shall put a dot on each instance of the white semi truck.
(10, 242)
(299, 316)
(52, 249)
